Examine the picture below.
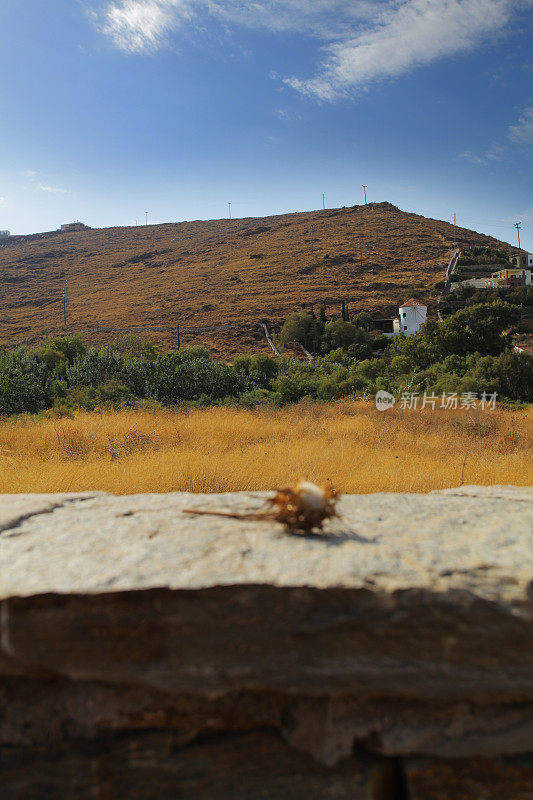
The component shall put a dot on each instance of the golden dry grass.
(349, 444)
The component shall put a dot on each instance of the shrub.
(302, 327)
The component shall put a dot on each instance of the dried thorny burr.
(303, 506)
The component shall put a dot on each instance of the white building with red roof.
(412, 315)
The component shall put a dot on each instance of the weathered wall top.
(146, 654)
(474, 538)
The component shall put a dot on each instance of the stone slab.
(404, 629)
(471, 539)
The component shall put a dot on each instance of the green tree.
(301, 327)
(356, 341)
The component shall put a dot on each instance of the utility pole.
(365, 187)
(518, 225)
(454, 221)
(311, 238)
(146, 217)
(361, 244)
(323, 201)
(229, 208)
(178, 336)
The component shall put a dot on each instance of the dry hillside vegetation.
(348, 444)
(224, 273)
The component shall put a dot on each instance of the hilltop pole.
(518, 225)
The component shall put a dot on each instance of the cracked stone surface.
(149, 653)
(473, 538)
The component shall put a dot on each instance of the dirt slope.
(224, 273)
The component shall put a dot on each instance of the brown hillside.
(225, 273)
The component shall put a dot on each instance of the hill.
(218, 279)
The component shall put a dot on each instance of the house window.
(405, 326)
(404, 314)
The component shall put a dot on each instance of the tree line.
(470, 351)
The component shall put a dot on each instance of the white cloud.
(52, 189)
(141, 25)
(363, 40)
(494, 153)
(522, 132)
(407, 35)
(325, 19)
(286, 114)
(33, 176)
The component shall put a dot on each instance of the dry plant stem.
(303, 506)
(231, 514)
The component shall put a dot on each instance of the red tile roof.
(412, 302)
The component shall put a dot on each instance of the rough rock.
(470, 779)
(143, 646)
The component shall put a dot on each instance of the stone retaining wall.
(151, 655)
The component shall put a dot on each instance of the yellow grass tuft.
(347, 444)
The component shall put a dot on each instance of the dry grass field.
(348, 443)
(229, 273)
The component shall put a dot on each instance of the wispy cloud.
(52, 189)
(286, 114)
(36, 183)
(522, 132)
(494, 153)
(141, 26)
(362, 40)
(406, 35)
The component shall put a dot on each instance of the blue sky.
(110, 108)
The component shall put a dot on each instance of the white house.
(412, 316)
